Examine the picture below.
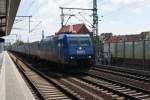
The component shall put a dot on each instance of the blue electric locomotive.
(70, 49)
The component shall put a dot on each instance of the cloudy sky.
(119, 16)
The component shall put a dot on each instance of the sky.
(120, 17)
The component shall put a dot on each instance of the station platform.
(12, 85)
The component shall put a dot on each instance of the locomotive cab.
(80, 49)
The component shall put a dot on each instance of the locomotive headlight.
(90, 57)
(80, 48)
(71, 57)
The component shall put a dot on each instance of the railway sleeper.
(116, 88)
(143, 96)
(56, 98)
(146, 99)
(129, 92)
(47, 88)
(56, 95)
(136, 94)
(53, 93)
(120, 98)
(50, 91)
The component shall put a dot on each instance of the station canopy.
(8, 10)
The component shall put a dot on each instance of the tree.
(16, 44)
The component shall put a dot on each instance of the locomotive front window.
(79, 41)
(73, 42)
(84, 42)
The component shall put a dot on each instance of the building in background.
(128, 49)
(110, 38)
(74, 29)
(147, 37)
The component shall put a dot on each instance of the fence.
(131, 50)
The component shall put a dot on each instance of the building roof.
(75, 29)
(8, 10)
(120, 38)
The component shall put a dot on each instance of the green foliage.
(96, 40)
(16, 44)
(97, 43)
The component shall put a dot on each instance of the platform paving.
(12, 86)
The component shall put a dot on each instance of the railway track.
(119, 88)
(94, 92)
(130, 73)
(44, 89)
(123, 77)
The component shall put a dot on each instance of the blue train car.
(77, 49)
(66, 49)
